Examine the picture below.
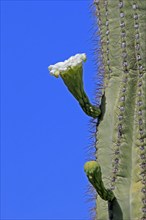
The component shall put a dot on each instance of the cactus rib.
(122, 132)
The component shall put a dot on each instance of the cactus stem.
(93, 172)
(71, 72)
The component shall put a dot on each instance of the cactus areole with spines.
(119, 172)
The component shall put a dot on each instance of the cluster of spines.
(126, 65)
(122, 97)
(105, 38)
(139, 117)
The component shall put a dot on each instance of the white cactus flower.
(62, 67)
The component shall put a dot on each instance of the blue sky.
(44, 133)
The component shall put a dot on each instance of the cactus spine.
(121, 135)
(119, 172)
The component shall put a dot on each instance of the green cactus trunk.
(121, 135)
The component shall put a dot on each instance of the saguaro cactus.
(121, 135)
(119, 172)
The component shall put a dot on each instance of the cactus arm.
(71, 72)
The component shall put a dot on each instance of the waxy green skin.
(74, 82)
(121, 145)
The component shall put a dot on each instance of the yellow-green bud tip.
(91, 166)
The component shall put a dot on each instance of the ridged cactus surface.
(119, 172)
(121, 135)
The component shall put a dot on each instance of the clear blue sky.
(44, 133)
